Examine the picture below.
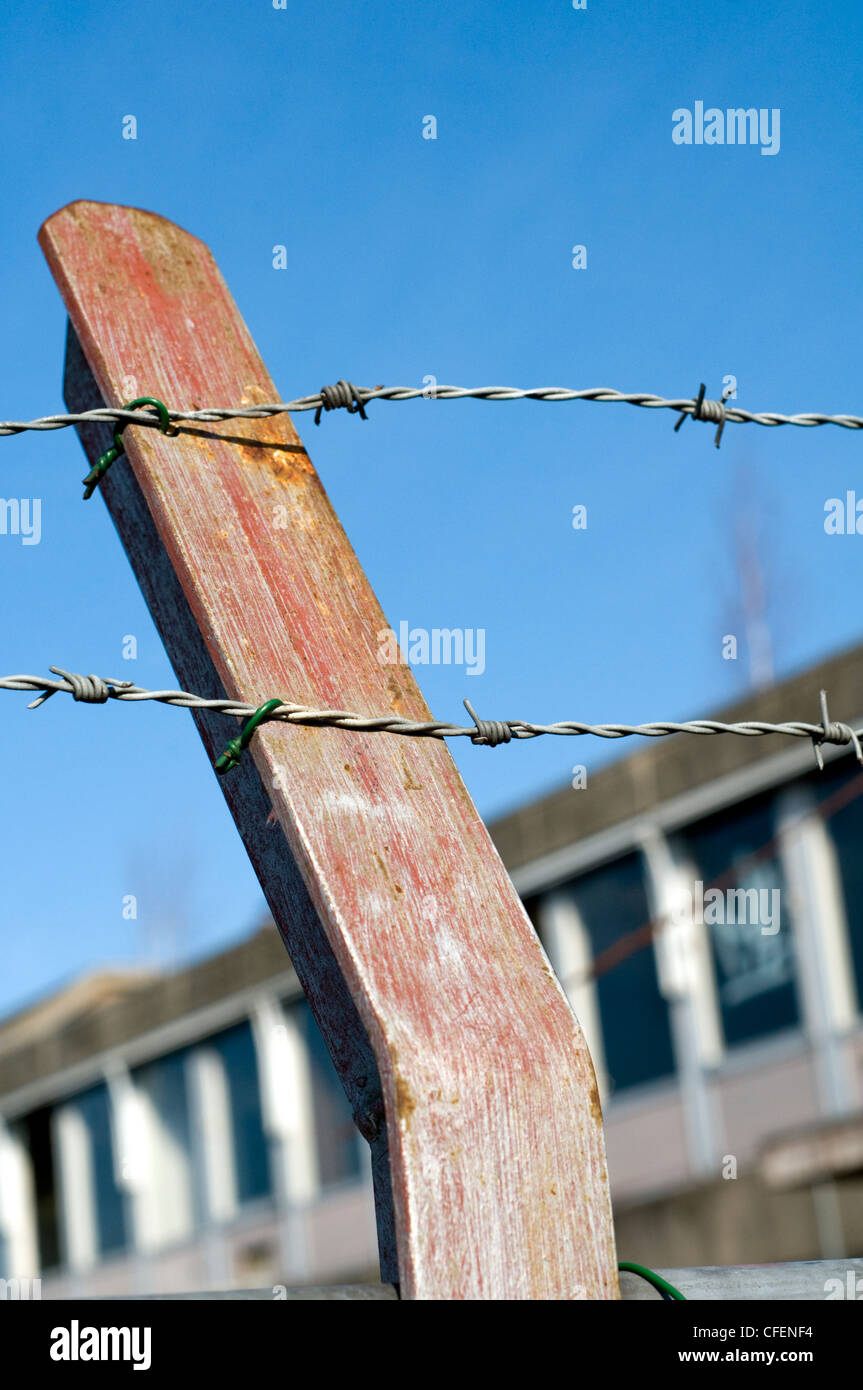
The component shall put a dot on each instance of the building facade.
(180, 1132)
(699, 900)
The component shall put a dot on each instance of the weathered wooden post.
(465, 1067)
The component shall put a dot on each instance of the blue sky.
(451, 257)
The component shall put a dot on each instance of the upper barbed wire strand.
(95, 689)
(690, 406)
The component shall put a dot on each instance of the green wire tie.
(101, 466)
(235, 749)
(667, 1290)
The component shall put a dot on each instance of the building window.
(337, 1140)
(94, 1108)
(839, 792)
(37, 1133)
(174, 1200)
(236, 1048)
(612, 901)
(735, 852)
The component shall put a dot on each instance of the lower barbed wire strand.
(491, 732)
(325, 399)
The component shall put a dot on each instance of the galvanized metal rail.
(806, 1281)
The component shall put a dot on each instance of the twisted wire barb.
(355, 398)
(98, 689)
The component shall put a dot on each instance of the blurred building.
(182, 1131)
(701, 902)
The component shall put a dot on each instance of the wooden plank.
(397, 911)
(283, 886)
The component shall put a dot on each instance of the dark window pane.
(336, 1137)
(612, 901)
(110, 1214)
(755, 967)
(236, 1048)
(164, 1081)
(37, 1127)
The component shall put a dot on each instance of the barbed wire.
(491, 732)
(354, 398)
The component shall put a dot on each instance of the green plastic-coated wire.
(235, 749)
(666, 1289)
(101, 466)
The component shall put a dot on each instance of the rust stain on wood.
(407, 781)
(405, 1102)
(595, 1105)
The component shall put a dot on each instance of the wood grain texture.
(398, 913)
